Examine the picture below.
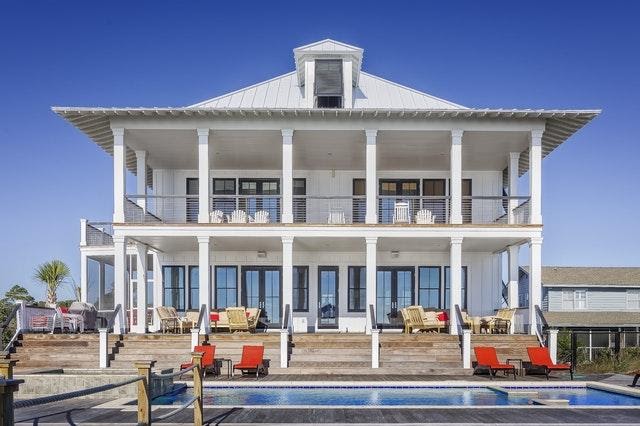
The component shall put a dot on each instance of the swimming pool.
(398, 396)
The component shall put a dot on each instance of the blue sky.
(545, 54)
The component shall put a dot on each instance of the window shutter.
(328, 80)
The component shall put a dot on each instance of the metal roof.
(95, 121)
(285, 92)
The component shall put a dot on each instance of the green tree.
(17, 292)
(52, 274)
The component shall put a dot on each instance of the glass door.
(327, 297)
(397, 190)
(262, 188)
(192, 202)
(262, 288)
(394, 291)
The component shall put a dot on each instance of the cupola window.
(328, 83)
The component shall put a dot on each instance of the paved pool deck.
(108, 411)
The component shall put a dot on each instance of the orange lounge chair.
(208, 359)
(540, 358)
(488, 359)
(252, 360)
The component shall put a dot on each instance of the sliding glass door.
(394, 291)
(262, 288)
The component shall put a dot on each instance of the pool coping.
(417, 384)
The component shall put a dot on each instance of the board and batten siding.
(598, 299)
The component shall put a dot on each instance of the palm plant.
(52, 274)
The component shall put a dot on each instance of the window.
(434, 191)
(328, 86)
(106, 296)
(300, 288)
(93, 282)
(261, 188)
(429, 286)
(226, 286)
(359, 203)
(193, 188)
(466, 201)
(357, 297)
(299, 201)
(396, 190)
(447, 288)
(224, 189)
(574, 299)
(194, 287)
(633, 299)
(173, 285)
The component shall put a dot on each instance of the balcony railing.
(99, 233)
(318, 209)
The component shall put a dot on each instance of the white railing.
(485, 210)
(99, 233)
(332, 210)
(257, 208)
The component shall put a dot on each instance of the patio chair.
(237, 216)
(336, 217)
(252, 360)
(261, 216)
(168, 320)
(217, 216)
(401, 212)
(419, 320)
(253, 316)
(72, 322)
(88, 313)
(540, 359)
(487, 359)
(238, 320)
(208, 359)
(425, 217)
(498, 323)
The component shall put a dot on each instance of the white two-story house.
(326, 189)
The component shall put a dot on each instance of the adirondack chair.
(401, 212)
(336, 217)
(261, 216)
(238, 320)
(237, 216)
(425, 217)
(217, 216)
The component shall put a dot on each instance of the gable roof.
(284, 92)
(328, 45)
(575, 276)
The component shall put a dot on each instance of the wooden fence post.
(6, 368)
(144, 392)
(7, 388)
(197, 388)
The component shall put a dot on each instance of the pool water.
(392, 396)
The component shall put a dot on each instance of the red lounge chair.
(252, 359)
(488, 359)
(540, 358)
(208, 359)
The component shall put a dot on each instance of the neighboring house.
(328, 190)
(592, 301)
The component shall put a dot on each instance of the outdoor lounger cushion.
(540, 358)
(488, 359)
(208, 358)
(252, 359)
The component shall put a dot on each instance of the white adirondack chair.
(261, 216)
(336, 217)
(217, 216)
(425, 217)
(237, 216)
(401, 212)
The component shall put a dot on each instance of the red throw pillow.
(214, 317)
(64, 309)
(443, 316)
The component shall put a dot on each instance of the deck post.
(456, 176)
(203, 176)
(466, 348)
(141, 267)
(455, 276)
(6, 368)
(375, 348)
(104, 347)
(195, 337)
(198, 415)
(371, 180)
(204, 265)
(371, 268)
(7, 388)
(552, 344)
(144, 392)
(284, 348)
(287, 176)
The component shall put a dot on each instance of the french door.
(262, 189)
(262, 288)
(394, 291)
(397, 190)
(328, 285)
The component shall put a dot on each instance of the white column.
(120, 282)
(83, 277)
(371, 174)
(466, 348)
(514, 161)
(157, 291)
(455, 185)
(535, 176)
(83, 232)
(141, 280)
(347, 81)
(514, 275)
(119, 174)
(141, 178)
(372, 274)
(552, 344)
(203, 175)
(287, 176)
(455, 276)
(287, 276)
(375, 348)
(309, 83)
(104, 347)
(204, 281)
(535, 280)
